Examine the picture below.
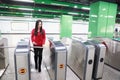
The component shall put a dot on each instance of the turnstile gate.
(100, 51)
(112, 56)
(81, 59)
(55, 61)
(22, 60)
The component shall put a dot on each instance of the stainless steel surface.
(80, 59)
(22, 60)
(57, 61)
(113, 52)
(100, 51)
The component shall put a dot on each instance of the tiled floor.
(109, 73)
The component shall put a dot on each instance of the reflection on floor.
(110, 74)
(43, 75)
(35, 75)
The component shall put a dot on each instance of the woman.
(38, 37)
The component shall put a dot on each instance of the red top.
(39, 39)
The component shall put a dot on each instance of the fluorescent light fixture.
(12, 7)
(3, 6)
(26, 9)
(73, 13)
(86, 8)
(75, 6)
(27, 14)
(39, 10)
(82, 14)
(59, 4)
(51, 11)
(42, 2)
(24, 0)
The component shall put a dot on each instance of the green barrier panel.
(66, 26)
(102, 19)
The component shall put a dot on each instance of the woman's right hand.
(34, 43)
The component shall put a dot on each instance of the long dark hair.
(36, 27)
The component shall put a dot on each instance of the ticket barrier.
(22, 60)
(55, 61)
(100, 51)
(112, 57)
(81, 59)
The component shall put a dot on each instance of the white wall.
(51, 26)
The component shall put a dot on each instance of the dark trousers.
(38, 58)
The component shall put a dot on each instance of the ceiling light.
(75, 6)
(43, 2)
(59, 4)
(86, 8)
(25, 13)
(24, 0)
(3, 6)
(39, 10)
(26, 9)
(51, 11)
(73, 13)
(82, 14)
(30, 14)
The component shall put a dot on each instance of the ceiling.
(79, 9)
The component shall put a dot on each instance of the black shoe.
(35, 67)
(39, 70)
